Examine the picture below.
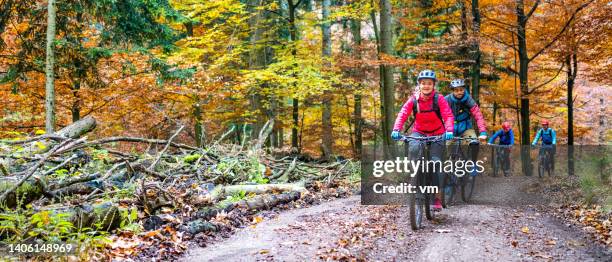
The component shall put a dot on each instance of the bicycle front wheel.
(541, 168)
(467, 187)
(448, 196)
(416, 208)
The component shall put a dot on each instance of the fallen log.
(78, 128)
(224, 191)
(36, 187)
(24, 194)
(265, 202)
(261, 202)
(104, 216)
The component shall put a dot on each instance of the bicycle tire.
(496, 165)
(415, 209)
(429, 212)
(448, 196)
(467, 187)
(550, 165)
(540, 169)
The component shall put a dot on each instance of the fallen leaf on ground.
(525, 230)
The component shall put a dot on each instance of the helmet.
(544, 122)
(457, 83)
(506, 126)
(427, 74)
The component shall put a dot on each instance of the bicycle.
(545, 160)
(500, 152)
(420, 201)
(452, 182)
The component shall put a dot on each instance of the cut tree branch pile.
(95, 181)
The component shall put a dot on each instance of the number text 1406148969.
(37, 248)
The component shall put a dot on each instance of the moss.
(29, 191)
(190, 159)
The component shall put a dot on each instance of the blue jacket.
(504, 138)
(549, 136)
(461, 112)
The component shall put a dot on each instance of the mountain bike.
(545, 160)
(420, 202)
(500, 153)
(453, 183)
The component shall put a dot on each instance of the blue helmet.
(457, 83)
(427, 74)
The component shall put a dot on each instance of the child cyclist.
(464, 109)
(506, 138)
(549, 138)
(433, 117)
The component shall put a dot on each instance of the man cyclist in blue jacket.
(464, 109)
(549, 138)
(506, 137)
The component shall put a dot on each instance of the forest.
(120, 106)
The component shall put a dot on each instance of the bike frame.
(500, 155)
(545, 156)
(460, 183)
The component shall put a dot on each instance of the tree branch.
(562, 31)
(547, 82)
(499, 41)
(533, 8)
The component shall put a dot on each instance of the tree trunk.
(76, 103)
(572, 72)
(49, 75)
(197, 126)
(523, 80)
(257, 60)
(388, 91)
(476, 50)
(326, 118)
(494, 113)
(356, 31)
(464, 49)
(295, 103)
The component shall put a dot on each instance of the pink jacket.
(480, 122)
(427, 123)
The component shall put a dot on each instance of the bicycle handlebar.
(544, 146)
(470, 139)
(422, 138)
(503, 146)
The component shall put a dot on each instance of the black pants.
(436, 152)
(503, 154)
(552, 149)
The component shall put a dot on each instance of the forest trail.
(503, 223)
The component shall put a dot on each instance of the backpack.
(504, 137)
(546, 136)
(463, 110)
(434, 107)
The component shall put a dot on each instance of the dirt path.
(502, 225)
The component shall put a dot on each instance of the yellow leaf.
(525, 230)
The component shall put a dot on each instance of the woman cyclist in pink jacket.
(433, 117)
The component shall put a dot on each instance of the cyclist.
(506, 137)
(433, 117)
(549, 137)
(464, 108)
